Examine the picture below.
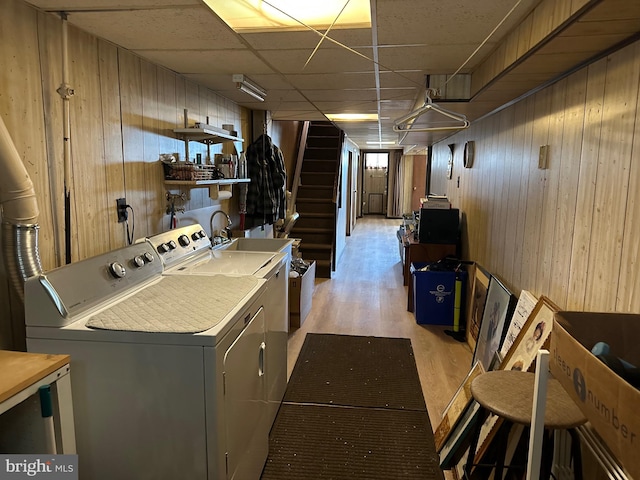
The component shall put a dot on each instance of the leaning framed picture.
(458, 404)
(497, 311)
(477, 298)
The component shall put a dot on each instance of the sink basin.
(259, 245)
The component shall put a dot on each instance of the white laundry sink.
(259, 245)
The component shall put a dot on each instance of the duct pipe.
(19, 215)
(66, 92)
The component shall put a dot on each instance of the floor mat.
(356, 371)
(329, 442)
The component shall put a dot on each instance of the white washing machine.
(168, 372)
(186, 251)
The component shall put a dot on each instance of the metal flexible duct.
(19, 216)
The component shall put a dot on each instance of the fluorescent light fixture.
(246, 16)
(249, 87)
(352, 117)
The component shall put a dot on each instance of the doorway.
(375, 185)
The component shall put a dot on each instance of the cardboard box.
(300, 296)
(609, 402)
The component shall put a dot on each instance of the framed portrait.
(497, 311)
(458, 404)
(533, 336)
(479, 287)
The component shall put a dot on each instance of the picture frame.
(533, 336)
(526, 303)
(497, 312)
(454, 411)
(457, 443)
(477, 299)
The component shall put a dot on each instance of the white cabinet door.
(245, 401)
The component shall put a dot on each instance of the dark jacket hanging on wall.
(266, 196)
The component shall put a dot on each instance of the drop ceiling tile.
(420, 22)
(298, 115)
(70, 5)
(398, 94)
(224, 81)
(434, 59)
(325, 60)
(367, 94)
(206, 61)
(187, 27)
(402, 79)
(348, 107)
(308, 39)
(339, 81)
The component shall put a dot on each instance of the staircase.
(316, 196)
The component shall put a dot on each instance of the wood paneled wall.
(571, 231)
(122, 117)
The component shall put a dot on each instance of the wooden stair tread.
(314, 246)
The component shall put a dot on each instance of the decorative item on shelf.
(469, 153)
(189, 171)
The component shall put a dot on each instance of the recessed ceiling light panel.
(247, 16)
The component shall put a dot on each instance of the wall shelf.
(206, 134)
(218, 189)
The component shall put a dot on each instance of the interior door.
(245, 402)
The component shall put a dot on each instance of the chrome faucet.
(227, 229)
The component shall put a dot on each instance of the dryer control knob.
(184, 240)
(148, 257)
(138, 261)
(163, 248)
(203, 234)
(117, 270)
(172, 245)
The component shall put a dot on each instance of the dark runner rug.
(311, 442)
(353, 410)
(356, 371)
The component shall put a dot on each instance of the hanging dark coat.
(266, 194)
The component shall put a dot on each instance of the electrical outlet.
(121, 204)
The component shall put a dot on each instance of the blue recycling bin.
(437, 299)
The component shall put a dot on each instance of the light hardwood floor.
(366, 297)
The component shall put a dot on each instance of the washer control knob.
(163, 248)
(138, 261)
(184, 240)
(172, 245)
(117, 270)
(148, 257)
(203, 234)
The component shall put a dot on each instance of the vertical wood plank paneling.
(628, 298)
(525, 115)
(49, 37)
(153, 200)
(130, 79)
(621, 94)
(503, 177)
(21, 107)
(113, 161)
(198, 196)
(516, 180)
(89, 194)
(568, 187)
(550, 189)
(590, 149)
(533, 211)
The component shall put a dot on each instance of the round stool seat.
(509, 394)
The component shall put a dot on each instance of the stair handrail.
(302, 145)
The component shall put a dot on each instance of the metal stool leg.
(482, 415)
